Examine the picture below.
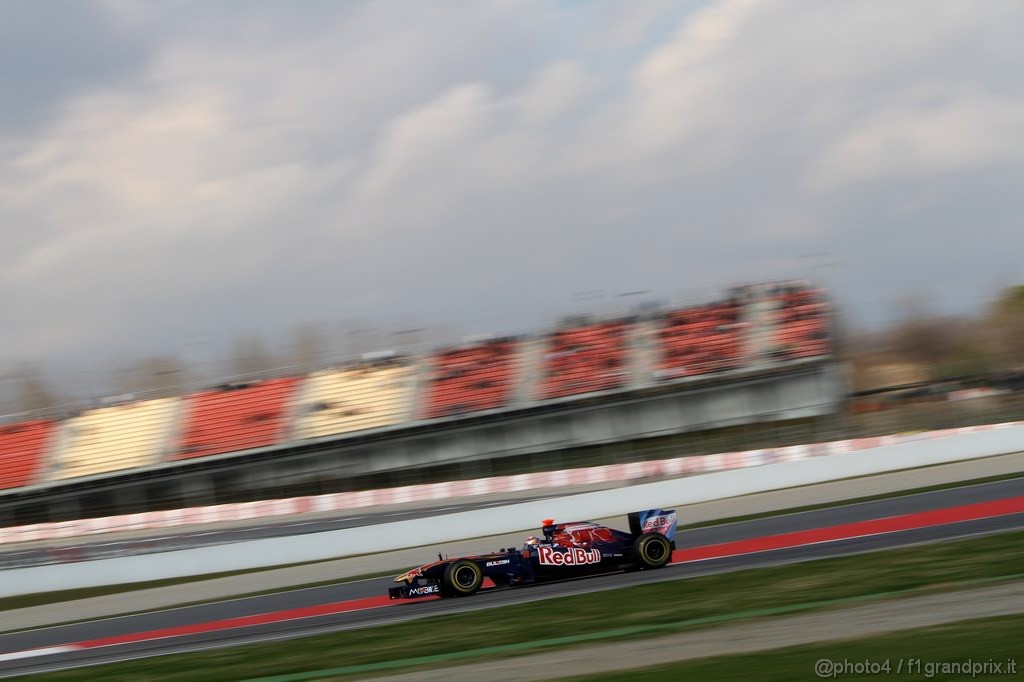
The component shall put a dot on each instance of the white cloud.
(270, 166)
(556, 91)
(922, 137)
(674, 90)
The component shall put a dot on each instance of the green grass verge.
(978, 641)
(940, 566)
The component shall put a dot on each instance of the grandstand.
(22, 451)
(800, 319)
(362, 397)
(112, 438)
(585, 359)
(473, 378)
(701, 339)
(369, 400)
(235, 417)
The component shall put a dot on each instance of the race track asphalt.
(400, 612)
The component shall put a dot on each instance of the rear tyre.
(652, 550)
(462, 578)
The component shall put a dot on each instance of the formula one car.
(566, 550)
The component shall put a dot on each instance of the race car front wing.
(414, 591)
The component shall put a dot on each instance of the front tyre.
(462, 578)
(652, 550)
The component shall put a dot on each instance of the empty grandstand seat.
(801, 321)
(343, 400)
(700, 340)
(22, 448)
(478, 377)
(585, 359)
(113, 438)
(235, 417)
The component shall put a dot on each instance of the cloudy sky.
(192, 170)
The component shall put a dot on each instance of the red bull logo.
(575, 556)
(657, 523)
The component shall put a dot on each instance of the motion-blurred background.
(251, 250)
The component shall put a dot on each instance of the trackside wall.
(431, 531)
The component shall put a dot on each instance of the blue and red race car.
(566, 550)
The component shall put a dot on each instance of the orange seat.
(801, 324)
(700, 340)
(22, 446)
(585, 359)
(235, 418)
(470, 379)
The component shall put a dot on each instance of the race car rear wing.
(654, 521)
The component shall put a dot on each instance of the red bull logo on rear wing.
(654, 521)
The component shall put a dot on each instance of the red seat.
(471, 379)
(235, 418)
(801, 324)
(585, 359)
(22, 446)
(700, 340)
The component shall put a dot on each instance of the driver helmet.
(533, 540)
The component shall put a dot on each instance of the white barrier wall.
(332, 502)
(506, 519)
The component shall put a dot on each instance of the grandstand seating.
(113, 438)
(22, 448)
(235, 417)
(585, 359)
(700, 340)
(762, 322)
(464, 380)
(340, 401)
(801, 324)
